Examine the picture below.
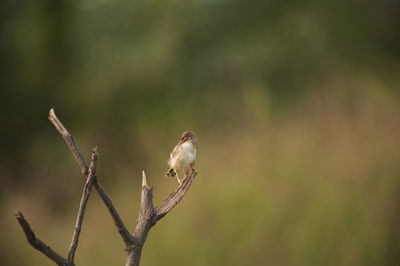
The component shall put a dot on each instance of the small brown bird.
(183, 155)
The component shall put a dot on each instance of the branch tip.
(37, 243)
(144, 180)
(20, 217)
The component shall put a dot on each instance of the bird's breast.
(188, 152)
(184, 156)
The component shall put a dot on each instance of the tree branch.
(69, 140)
(148, 215)
(126, 236)
(169, 203)
(84, 199)
(38, 244)
(144, 224)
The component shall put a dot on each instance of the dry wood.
(148, 215)
(69, 140)
(38, 244)
(82, 207)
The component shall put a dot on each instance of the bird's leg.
(177, 178)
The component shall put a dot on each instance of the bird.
(183, 155)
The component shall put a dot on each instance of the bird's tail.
(171, 172)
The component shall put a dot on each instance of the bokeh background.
(296, 105)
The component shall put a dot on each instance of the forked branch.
(46, 250)
(69, 140)
(148, 215)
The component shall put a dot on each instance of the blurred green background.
(296, 105)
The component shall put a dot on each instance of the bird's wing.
(176, 150)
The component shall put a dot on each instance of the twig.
(126, 236)
(38, 244)
(84, 199)
(69, 140)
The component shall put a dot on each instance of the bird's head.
(188, 136)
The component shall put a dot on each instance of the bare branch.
(173, 199)
(146, 213)
(38, 244)
(145, 222)
(84, 199)
(69, 140)
(126, 236)
(149, 215)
